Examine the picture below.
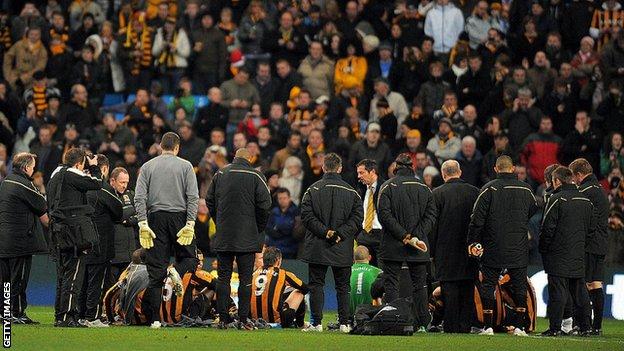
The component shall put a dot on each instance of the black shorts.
(594, 267)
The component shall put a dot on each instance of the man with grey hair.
(522, 119)
(455, 271)
(470, 160)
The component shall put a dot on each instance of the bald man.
(498, 238)
(455, 271)
(239, 201)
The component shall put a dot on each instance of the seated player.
(123, 301)
(277, 295)
(363, 277)
(504, 306)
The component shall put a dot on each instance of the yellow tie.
(370, 211)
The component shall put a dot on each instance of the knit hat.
(370, 41)
(237, 59)
(413, 133)
(447, 121)
(431, 171)
(373, 127)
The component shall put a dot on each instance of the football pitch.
(46, 337)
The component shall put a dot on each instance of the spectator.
(252, 122)
(267, 148)
(584, 142)
(371, 147)
(238, 95)
(386, 67)
(312, 158)
(215, 157)
(213, 115)
(474, 85)
(89, 73)
(287, 79)
(612, 155)
(253, 28)
(112, 139)
(470, 161)
(317, 72)
(469, 126)
(79, 111)
(529, 43)
(610, 109)
(540, 150)
(284, 225)
(431, 177)
(192, 148)
(431, 94)
(387, 120)
(267, 86)
(171, 51)
(449, 110)
(541, 72)
(347, 24)
(444, 145)
(602, 29)
(285, 42)
(478, 25)
(522, 119)
(228, 27)
(561, 106)
(135, 53)
(23, 59)
(292, 179)
(351, 69)
(302, 107)
(210, 55)
(584, 60)
(292, 148)
(444, 23)
(501, 147)
(79, 8)
(555, 53)
(184, 99)
(79, 36)
(29, 17)
(48, 154)
(396, 103)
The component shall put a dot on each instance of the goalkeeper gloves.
(187, 233)
(146, 235)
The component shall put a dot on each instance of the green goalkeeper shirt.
(362, 277)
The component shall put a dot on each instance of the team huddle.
(453, 259)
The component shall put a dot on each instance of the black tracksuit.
(21, 234)
(596, 246)
(330, 204)
(455, 271)
(72, 208)
(126, 237)
(568, 224)
(499, 222)
(108, 210)
(239, 201)
(406, 206)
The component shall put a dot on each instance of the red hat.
(236, 58)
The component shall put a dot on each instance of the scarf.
(584, 57)
(448, 111)
(166, 57)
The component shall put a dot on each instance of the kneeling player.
(123, 301)
(277, 295)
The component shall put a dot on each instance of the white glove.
(146, 235)
(187, 233)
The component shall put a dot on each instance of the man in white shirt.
(370, 236)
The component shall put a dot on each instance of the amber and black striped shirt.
(267, 293)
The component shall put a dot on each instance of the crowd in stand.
(540, 81)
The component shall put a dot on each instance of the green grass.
(46, 337)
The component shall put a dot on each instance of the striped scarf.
(310, 152)
(39, 99)
(166, 57)
(606, 19)
(145, 46)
